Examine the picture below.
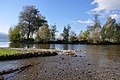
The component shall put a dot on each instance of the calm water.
(103, 55)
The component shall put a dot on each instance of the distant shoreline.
(84, 42)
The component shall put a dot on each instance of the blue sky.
(60, 12)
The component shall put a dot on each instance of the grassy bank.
(9, 54)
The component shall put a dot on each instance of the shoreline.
(62, 42)
(64, 67)
(22, 53)
(67, 65)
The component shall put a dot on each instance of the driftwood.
(4, 72)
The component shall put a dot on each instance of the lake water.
(109, 51)
(102, 55)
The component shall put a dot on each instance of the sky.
(77, 13)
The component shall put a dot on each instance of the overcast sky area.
(77, 13)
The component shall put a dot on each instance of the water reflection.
(44, 46)
(98, 53)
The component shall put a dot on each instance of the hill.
(4, 37)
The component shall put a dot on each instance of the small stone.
(69, 64)
(75, 56)
(78, 77)
(89, 64)
(89, 72)
(80, 56)
(62, 58)
(45, 71)
(83, 72)
(76, 69)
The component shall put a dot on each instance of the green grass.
(8, 51)
(5, 51)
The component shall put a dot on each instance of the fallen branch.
(4, 72)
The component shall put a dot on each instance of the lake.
(109, 51)
(103, 57)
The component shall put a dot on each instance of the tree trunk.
(28, 34)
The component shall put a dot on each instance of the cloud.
(106, 5)
(89, 21)
(116, 16)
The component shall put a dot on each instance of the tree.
(65, 33)
(30, 20)
(109, 22)
(103, 34)
(108, 30)
(84, 35)
(14, 33)
(94, 35)
(72, 36)
(43, 34)
(116, 34)
(53, 30)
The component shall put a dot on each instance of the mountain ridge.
(4, 37)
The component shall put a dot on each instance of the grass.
(20, 53)
(5, 51)
(8, 53)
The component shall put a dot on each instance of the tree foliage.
(43, 34)
(72, 36)
(53, 30)
(14, 33)
(84, 35)
(30, 20)
(65, 33)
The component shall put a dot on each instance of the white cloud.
(116, 16)
(89, 21)
(106, 5)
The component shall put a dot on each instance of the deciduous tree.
(30, 20)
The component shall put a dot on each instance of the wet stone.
(89, 72)
(83, 72)
(69, 64)
(62, 58)
(78, 77)
(89, 64)
(75, 56)
(80, 56)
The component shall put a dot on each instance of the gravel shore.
(67, 67)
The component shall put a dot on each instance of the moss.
(8, 54)
(5, 51)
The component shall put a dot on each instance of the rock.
(74, 55)
(89, 72)
(83, 72)
(89, 64)
(80, 56)
(78, 77)
(45, 71)
(69, 64)
(76, 69)
(62, 58)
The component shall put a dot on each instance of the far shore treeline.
(33, 28)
